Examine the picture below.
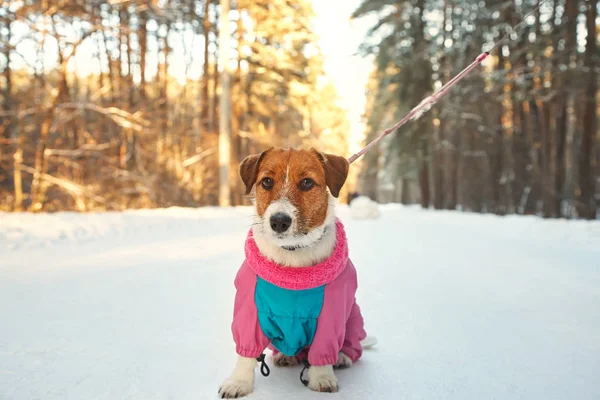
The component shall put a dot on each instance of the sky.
(339, 41)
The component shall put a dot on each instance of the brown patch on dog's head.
(300, 176)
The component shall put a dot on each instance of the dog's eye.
(267, 183)
(306, 184)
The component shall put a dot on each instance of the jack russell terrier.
(295, 291)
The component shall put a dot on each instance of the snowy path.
(137, 305)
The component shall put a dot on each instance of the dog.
(295, 291)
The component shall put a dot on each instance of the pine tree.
(503, 140)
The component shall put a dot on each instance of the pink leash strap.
(428, 102)
(423, 106)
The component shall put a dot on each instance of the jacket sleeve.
(355, 333)
(249, 338)
(338, 302)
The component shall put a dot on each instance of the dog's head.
(291, 195)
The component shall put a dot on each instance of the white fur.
(241, 381)
(322, 379)
(282, 205)
(317, 245)
(343, 361)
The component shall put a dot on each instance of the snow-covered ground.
(138, 305)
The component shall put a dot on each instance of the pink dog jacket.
(308, 312)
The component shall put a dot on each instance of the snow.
(138, 305)
(363, 207)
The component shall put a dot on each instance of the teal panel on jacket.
(288, 317)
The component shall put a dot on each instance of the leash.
(426, 104)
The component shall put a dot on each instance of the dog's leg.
(322, 379)
(241, 381)
(281, 360)
(343, 361)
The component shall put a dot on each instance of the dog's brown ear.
(249, 169)
(336, 171)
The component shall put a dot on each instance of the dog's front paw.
(235, 388)
(282, 360)
(343, 361)
(322, 379)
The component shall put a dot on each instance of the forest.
(116, 104)
(519, 136)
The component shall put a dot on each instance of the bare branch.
(83, 150)
(72, 188)
(122, 118)
(199, 157)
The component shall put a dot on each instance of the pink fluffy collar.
(301, 277)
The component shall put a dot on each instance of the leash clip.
(306, 366)
(264, 368)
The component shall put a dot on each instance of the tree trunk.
(424, 176)
(237, 118)
(453, 137)
(534, 176)
(7, 106)
(164, 136)
(438, 168)
(123, 73)
(111, 73)
(424, 84)
(406, 198)
(439, 149)
(587, 185)
(570, 33)
(212, 108)
(18, 162)
(38, 188)
(204, 112)
(225, 108)
(128, 138)
(455, 159)
(17, 174)
(542, 114)
(496, 150)
(143, 43)
(7, 103)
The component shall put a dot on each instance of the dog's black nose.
(280, 222)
